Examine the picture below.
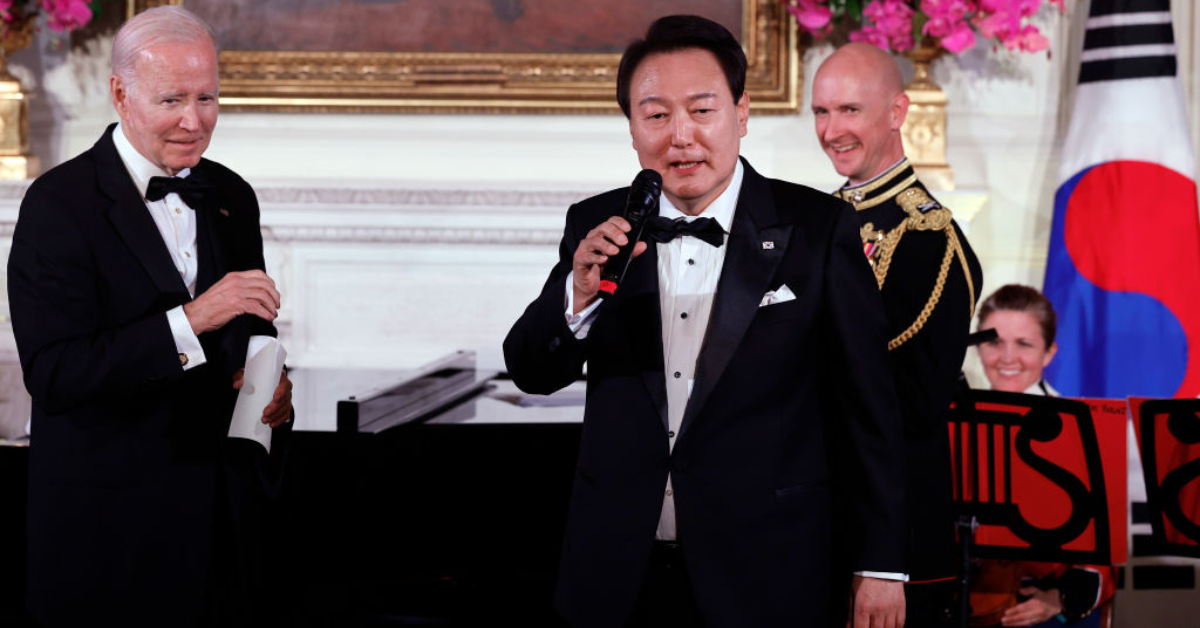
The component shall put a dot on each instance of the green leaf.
(97, 8)
(854, 9)
(918, 23)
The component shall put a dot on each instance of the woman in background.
(1025, 325)
(1053, 593)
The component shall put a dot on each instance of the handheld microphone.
(641, 204)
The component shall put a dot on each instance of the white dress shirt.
(688, 271)
(176, 223)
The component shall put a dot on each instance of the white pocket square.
(782, 294)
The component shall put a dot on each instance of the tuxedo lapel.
(757, 244)
(130, 218)
(212, 232)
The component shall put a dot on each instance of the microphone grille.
(649, 181)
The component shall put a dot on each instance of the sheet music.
(264, 363)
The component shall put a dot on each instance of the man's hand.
(593, 253)
(245, 292)
(1040, 607)
(280, 408)
(876, 603)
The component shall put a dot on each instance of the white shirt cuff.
(582, 322)
(883, 575)
(191, 354)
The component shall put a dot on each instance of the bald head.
(859, 103)
(864, 62)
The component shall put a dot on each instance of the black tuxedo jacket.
(129, 457)
(792, 420)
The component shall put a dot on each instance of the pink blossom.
(1019, 7)
(998, 6)
(962, 38)
(1029, 7)
(1029, 39)
(811, 14)
(65, 15)
(955, 24)
(894, 19)
(870, 35)
(944, 16)
(998, 25)
(6, 10)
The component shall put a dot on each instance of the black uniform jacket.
(926, 365)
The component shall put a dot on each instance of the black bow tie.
(195, 190)
(662, 229)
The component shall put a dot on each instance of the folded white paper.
(779, 295)
(264, 363)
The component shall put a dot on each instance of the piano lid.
(449, 390)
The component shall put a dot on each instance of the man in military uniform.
(930, 280)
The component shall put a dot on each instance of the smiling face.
(685, 125)
(859, 106)
(168, 112)
(1014, 360)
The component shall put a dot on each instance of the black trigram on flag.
(1128, 39)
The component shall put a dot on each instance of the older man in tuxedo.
(136, 282)
(739, 405)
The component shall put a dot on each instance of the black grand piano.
(439, 498)
(431, 497)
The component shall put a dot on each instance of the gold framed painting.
(465, 56)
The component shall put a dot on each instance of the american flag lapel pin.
(768, 246)
(224, 212)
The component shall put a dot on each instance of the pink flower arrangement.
(66, 15)
(897, 25)
(61, 15)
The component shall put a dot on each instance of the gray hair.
(159, 25)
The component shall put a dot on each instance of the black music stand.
(1165, 425)
(992, 432)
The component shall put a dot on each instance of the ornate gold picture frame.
(458, 82)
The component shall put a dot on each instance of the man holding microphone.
(739, 405)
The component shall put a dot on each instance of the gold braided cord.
(888, 249)
(952, 236)
(934, 296)
(937, 219)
